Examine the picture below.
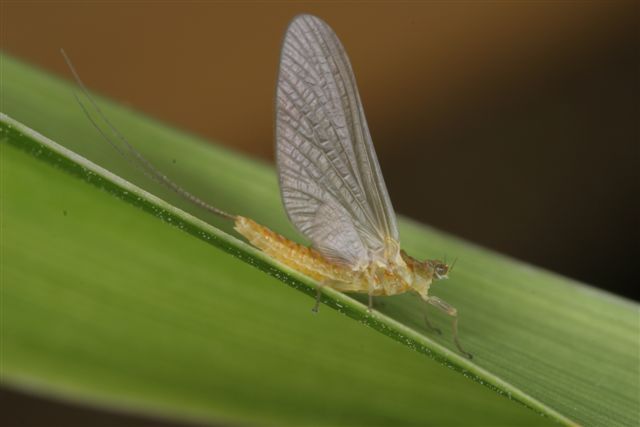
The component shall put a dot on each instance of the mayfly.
(330, 181)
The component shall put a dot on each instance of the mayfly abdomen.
(301, 258)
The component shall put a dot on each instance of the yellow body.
(409, 275)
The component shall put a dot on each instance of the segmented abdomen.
(301, 258)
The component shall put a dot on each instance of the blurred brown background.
(513, 125)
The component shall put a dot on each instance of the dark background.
(512, 125)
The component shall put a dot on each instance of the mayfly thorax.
(330, 181)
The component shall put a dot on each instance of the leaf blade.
(494, 321)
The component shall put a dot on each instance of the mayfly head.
(439, 269)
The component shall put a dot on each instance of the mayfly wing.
(330, 180)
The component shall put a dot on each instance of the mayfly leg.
(316, 306)
(333, 284)
(428, 323)
(451, 311)
(372, 280)
(337, 285)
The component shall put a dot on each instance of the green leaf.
(102, 302)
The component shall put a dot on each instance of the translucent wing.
(330, 180)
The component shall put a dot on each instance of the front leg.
(429, 325)
(451, 311)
